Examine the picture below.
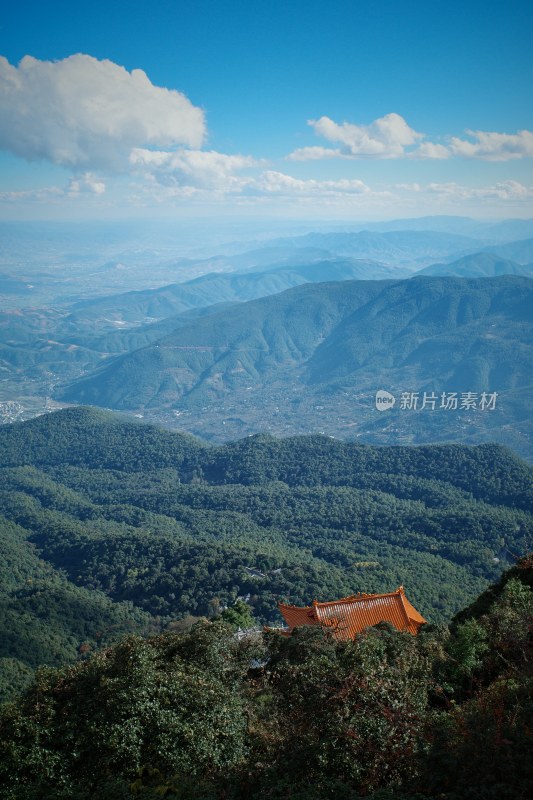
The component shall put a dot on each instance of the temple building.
(351, 615)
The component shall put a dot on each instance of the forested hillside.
(332, 334)
(206, 715)
(47, 619)
(99, 511)
(312, 358)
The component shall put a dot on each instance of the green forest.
(110, 527)
(203, 714)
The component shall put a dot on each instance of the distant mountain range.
(503, 231)
(151, 304)
(521, 251)
(222, 350)
(55, 344)
(313, 357)
(155, 304)
(412, 249)
(63, 263)
(481, 265)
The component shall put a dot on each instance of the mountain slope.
(157, 519)
(44, 617)
(45, 348)
(521, 251)
(278, 360)
(227, 349)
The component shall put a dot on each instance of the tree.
(239, 615)
(169, 704)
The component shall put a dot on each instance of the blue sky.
(344, 110)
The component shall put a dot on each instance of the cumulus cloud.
(314, 154)
(386, 137)
(203, 175)
(86, 183)
(197, 169)
(431, 150)
(492, 146)
(391, 137)
(88, 114)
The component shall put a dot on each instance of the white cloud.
(391, 137)
(88, 114)
(505, 190)
(431, 150)
(45, 195)
(386, 137)
(493, 146)
(314, 154)
(409, 187)
(83, 187)
(86, 183)
(196, 169)
(277, 190)
(206, 175)
(278, 183)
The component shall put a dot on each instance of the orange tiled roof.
(351, 615)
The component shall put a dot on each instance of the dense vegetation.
(110, 525)
(203, 715)
(47, 619)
